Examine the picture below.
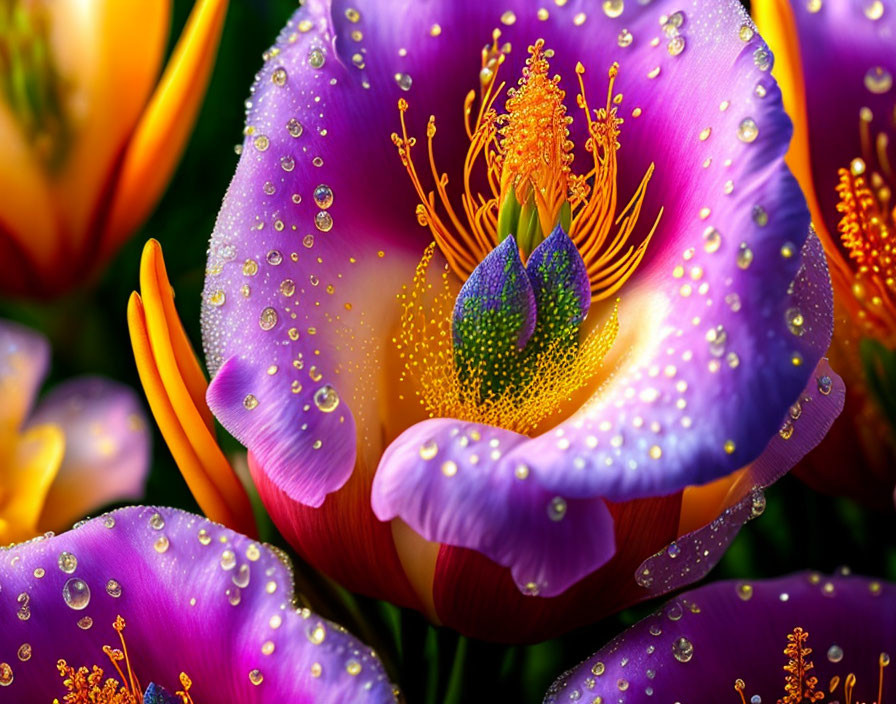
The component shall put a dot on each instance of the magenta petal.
(197, 598)
(695, 648)
(24, 358)
(106, 448)
(459, 494)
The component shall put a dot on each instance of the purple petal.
(848, 62)
(106, 448)
(498, 509)
(696, 647)
(693, 555)
(24, 358)
(197, 598)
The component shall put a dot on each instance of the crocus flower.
(85, 445)
(460, 417)
(159, 606)
(835, 63)
(801, 638)
(89, 132)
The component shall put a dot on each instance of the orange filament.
(425, 346)
(800, 687)
(527, 153)
(867, 228)
(90, 687)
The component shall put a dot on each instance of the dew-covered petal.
(107, 448)
(24, 358)
(698, 645)
(225, 602)
(549, 542)
(848, 68)
(692, 555)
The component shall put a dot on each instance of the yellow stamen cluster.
(426, 349)
(92, 687)
(801, 687)
(867, 230)
(527, 154)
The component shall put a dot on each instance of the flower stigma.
(532, 254)
(91, 687)
(800, 686)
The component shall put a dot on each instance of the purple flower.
(446, 379)
(805, 637)
(85, 444)
(175, 602)
(836, 63)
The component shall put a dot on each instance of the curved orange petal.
(109, 53)
(27, 471)
(162, 132)
(173, 382)
(777, 25)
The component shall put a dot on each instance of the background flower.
(84, 446)
(196, 599)
(700, 644)
(90, 134)
(835, 63)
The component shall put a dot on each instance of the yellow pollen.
(92, 687)
(527, 153)
(867, 228)
(426, 349)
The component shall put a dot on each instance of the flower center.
(527, 156)
(534, 253)
(91, 687)
(801, 687)
(867, 230)
(29, 80)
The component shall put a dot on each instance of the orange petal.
(28, 470)
(701, 505)
(777, 25)
(109, 53)
(162, 133)
(173, 383)
(26, 215)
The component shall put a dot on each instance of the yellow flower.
(89, 132)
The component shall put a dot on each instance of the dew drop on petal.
(835, 653)
(682, 649)
(76, 594)
(613, 8)
(326, 398)
(404, 81)
(878, 80)
(67, 562)
(747, 130)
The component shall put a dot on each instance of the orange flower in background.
(90, 133)
(835, 63)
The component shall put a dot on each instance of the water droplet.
(673, 550)
(557, 508)
(874, 10)
(745, 32)
(323, 196)
(109, 522)
(613, 8)
(598, 668)
(76, 594)
(760, 216)
(6, 675)
(294, 127)
(674, 612)
(508, 18)
(287, 163)
(268, 319)
(624, 38)
(234, 596)
(250, 402)
(747, 130)
(24, 652)
(825, 384)
(813, 6)
(762, 59)
(758, 505)
(287, 288)
(449, 468)
(255, 677)
(228, 560)
(717, 337)
(323, 221)
(745, 591)
(878, 80)
(261, 143)
(682, 649)
(85, 624)
(316, 58)
(241, 576)
(795, 321)
(404, 81)
(156, 522)
(316, 633)
(326, 398)
(162, 544)
(217, 298)
(744, 256)
(712, 239)
(676, 46)
(429, 449)
(67, 562)
(204, 537)
(835, 653)
(278, 77)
